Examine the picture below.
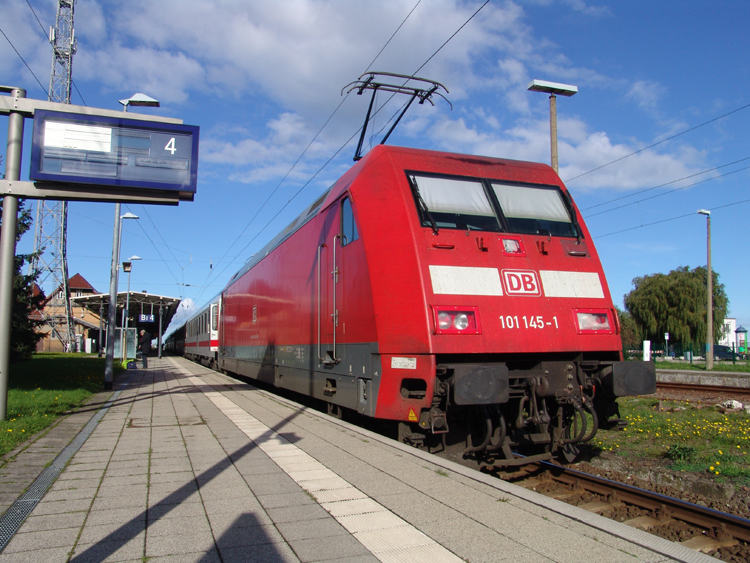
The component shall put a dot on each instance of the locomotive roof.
(421, 159)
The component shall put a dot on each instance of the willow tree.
(676, 303)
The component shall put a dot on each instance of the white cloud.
(186, 308)
(577, 6)
(646, 94)
(580, 151)
(295, 56)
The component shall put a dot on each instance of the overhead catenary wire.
(632, 194)
(24, 61)
(350, 138)
(148, 215)
(338, 107)
(659, 142)
(713, 208)
(673, 190)
(156, 247)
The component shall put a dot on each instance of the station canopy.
(138, 304)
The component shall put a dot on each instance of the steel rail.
(677, 509)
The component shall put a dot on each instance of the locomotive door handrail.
(330, 357)
(335, 314)
(320, 358)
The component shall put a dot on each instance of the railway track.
(722, 535)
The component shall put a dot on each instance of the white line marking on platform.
(387, 536)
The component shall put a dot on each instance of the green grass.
(741, 366)
(687, 436)
(45, 387)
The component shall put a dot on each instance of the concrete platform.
(732, 379)
(190, 465)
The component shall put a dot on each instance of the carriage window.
(537, 211)
(348, 226)
(214, 317)
(453, 204)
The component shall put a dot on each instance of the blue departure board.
(128, 153)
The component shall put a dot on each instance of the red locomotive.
(460, 296)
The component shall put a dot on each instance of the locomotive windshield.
(474, 204)
(536, 211)
(455, 204)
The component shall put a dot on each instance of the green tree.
(23, 336)
(631, 339)
(676, 303)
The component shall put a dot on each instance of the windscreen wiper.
(573, 215)
(423, 206)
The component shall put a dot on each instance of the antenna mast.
(50, 235)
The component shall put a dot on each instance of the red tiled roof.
(79, 282)
(74, 283)
(36, 290)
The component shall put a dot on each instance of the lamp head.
(140, 100)
(127, 266)
(552, 88)
(129, 215)
(704, 212)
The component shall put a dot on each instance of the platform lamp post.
(109, 359)
(126, 267)
(710, 305)
(139, 100)
(553, 89)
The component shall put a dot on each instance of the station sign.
(73, 148)
(147, 318)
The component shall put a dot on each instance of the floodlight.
(552, 88)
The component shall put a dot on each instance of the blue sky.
(262, 78)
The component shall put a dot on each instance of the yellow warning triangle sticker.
(412, 415)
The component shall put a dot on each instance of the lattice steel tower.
(50, 235)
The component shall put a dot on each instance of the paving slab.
(188, 465)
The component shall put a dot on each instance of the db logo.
(521, 282)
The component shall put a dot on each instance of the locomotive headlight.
(456, 320)
(461, 321)
(593, 321)
(444, 320)
(513, 246)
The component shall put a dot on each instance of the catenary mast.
(50, 235)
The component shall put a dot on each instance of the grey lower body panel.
(352, 382)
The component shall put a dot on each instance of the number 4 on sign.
(170, 146)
